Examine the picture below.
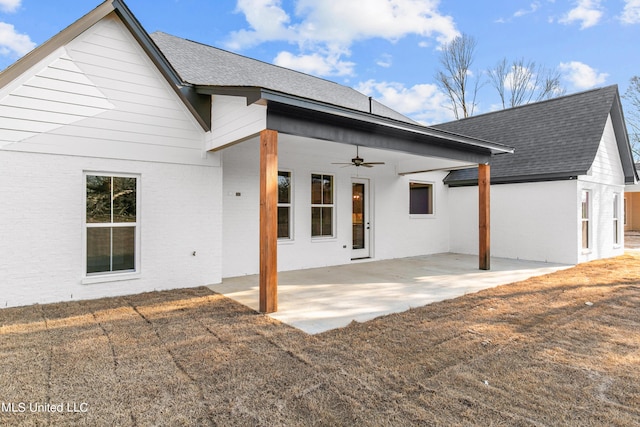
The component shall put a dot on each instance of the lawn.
(561, 349)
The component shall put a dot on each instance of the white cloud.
(582, 76)
(315, 63)
(532, 8)
(12, 42)
(325, 30)
(9, 5)
(631, 12)
(587, 12)
(424, 103)
(385, 60)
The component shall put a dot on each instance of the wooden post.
(268, 221)
(484, 189)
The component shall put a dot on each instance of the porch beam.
(484, 188)
(268, 221)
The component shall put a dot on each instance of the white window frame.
(288, 205)
(331, 205)
(616, 220)
(588, 220)
(433, 199)
(110, 276)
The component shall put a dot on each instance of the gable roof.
(202, 65)
(296, 103)
(554, 139)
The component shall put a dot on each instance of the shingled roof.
(203, 65)
(553, 140)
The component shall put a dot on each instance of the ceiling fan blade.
(342, 163)
(370, 164)
(366, 165)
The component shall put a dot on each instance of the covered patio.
(316, 300)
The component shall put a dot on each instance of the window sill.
(324, 239)
(422, 216)
(106, 278)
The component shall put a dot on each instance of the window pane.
(124, 247)
(98, 250)
(98, 199)
(585, 234)
(316, 189)
(357, 212)
(327, 189)
(316, 221)
(327, 221)
(284, 187)
(124, 199)
(585, 205)
(283, 221)
(420, 198)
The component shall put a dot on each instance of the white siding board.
(9, 136)
(28, 104)
(105, 148)
(39, 82)
(87, 59)
(10, 113)
(28, 125)
(233, 120)
(101, 96)
(92, 132)
(607, 166)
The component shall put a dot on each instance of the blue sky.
(388, 49)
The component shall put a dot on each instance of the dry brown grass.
(529, 353)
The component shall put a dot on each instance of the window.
(420, 198)
(284, 205)
(111, 221)
(616, 219)
(586, 226)
(321, 205)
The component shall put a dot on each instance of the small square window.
(420, 198)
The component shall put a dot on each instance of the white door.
(360, 218)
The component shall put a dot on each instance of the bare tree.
(522, 82)
(455, 76)
(632, 96)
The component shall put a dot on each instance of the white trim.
(432, 215)
(89, 278)
(366, 251)
(589, 220)
(290, 205)
(333, 207)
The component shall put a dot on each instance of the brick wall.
(41, 227)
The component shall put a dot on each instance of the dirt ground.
(562, 349)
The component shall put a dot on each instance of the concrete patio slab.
(319, 299)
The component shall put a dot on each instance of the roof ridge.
(519, 107)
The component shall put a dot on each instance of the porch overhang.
(289, 114)
(292, 115)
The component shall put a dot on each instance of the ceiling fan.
(359, 161)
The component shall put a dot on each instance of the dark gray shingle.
(553, 139)
(199, 64)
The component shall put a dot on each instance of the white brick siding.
(42, 214)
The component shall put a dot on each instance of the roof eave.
(523, 179)
(255, 94)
